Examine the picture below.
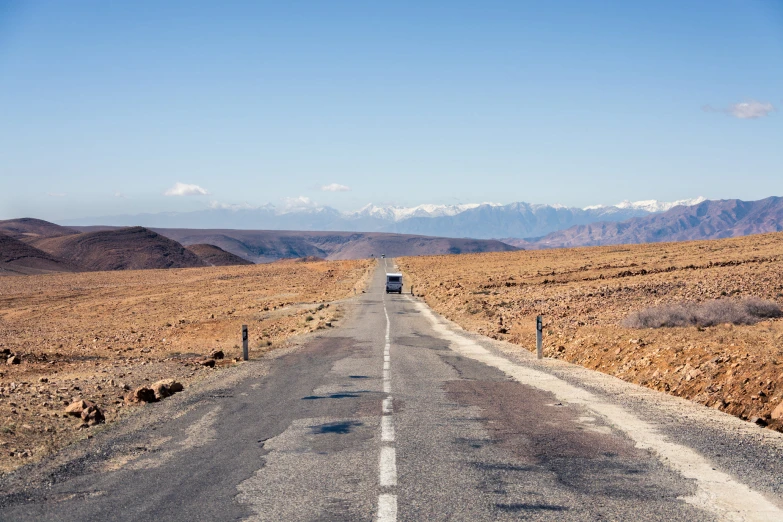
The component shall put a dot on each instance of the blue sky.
(105, 106)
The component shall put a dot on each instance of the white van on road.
(393, 283)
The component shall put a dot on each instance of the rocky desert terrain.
(107, 338)
(585, 295)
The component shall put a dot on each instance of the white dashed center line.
(387, 429)
(387, 502)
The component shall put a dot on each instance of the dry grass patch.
(705, 314)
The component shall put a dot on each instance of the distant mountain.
(216, 256)
(262, 246)
(134, 248)
(651, 205)
(19, 258)
(481, 221)
(706, 220)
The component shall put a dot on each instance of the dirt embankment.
(584, 294)
(95, 336)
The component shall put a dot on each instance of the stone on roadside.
(93, 415)
(217, 354)
(88, 411)
(166, 387)
(141, 394)
(210, 363)
(77, 407)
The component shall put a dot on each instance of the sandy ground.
(585, 293)
(96, 335)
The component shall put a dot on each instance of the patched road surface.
(399, 415)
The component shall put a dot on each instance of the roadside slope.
(584, 294)
(97, 335)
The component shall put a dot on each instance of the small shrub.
(709, 313)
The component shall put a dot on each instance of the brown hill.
(19, 258)
(216, 256)
(263, 246)
(30, 228)
(708, 220)
(134, 248)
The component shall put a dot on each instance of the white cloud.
(56, 194)
(183, 189)
(335, 187)
(749, 110)
(119, 195)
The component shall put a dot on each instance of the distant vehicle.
(383, 256)
(393, 283)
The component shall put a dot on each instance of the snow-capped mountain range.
(476, 220)
(652, 205)
(396, 214)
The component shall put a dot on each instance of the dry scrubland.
(96, 335)
(585, 294)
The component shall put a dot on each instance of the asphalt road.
(398, 415)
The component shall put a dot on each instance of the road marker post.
(539, 335)
(244, 342)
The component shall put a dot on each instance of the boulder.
(207, 362)
(161, 390)
(93, 415)
(13, 360)
(76, 407)
(88, 411)
(166, 387)
(141, 394)
(217, 354)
